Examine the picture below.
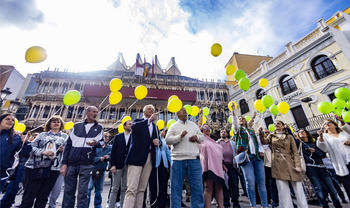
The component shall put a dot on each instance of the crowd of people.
(151, 167)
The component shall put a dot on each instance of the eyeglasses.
(327, 123)
(302, 131)
(206, 128)
(266, 132)
(277, 124)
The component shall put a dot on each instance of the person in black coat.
(118, 169)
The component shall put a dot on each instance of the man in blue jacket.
(141, 156)
(118, 169)
(78, 158)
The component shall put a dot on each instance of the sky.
(87, 35)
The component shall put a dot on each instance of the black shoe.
(344, 201)
(183, 204)
(245, 194)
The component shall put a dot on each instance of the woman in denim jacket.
(47, 150)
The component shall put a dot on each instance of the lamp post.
(4, 93)
(14, 104)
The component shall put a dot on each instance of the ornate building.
(305, 73)
(94, 88)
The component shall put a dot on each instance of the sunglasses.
(266, 132)
(206, 128)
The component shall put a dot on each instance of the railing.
(306, 40)
(312, 124)
(277, 60)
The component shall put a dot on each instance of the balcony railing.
(312, 124)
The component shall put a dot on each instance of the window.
(331, 96)
(141, 113)
(46, 111)
(244, 106)
(213, 117)
(218, 96)
(44, 87)
(35, 112)
(112, 114)
(133, 114)
(64, 88)
(287, 84)
(211, 96)
(57, 111)
(161, 116)
(71, 112)
(103, 113)
(54, 88)
(322, 66)
(260, 93)
(80, 112)
(225, 96)
(121, 113)
(201, 95)
(169, 116)
(77, 87)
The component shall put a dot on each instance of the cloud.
(23, 14)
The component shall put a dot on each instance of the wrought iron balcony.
(311, 124)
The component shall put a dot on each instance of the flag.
(145, 71)
(139, 68)
(152, 68)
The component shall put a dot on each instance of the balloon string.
(102, 109)
(48, 119)
(132, 104)
(104, 99)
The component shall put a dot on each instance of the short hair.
(124, 124)
(47, 126)
(90, 107)
(144, 108)
(227, 132)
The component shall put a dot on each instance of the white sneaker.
(117, 204)
(213, 201)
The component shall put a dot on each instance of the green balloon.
(271, 128)
(71, 97)
(332, 106)
(239, 74)
(247, 118)
(348, 105)
(338, 111)
(205, 111)
(338, 103)
(244, 84)
(230, 119)
(188, 108)
(267, 101)
(346, 116)
(324, 107)
(274, 109)
(170, 122)
(342, 93)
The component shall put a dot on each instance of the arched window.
(244, 106)
(322, 66)
(287, 84)
(260, 93)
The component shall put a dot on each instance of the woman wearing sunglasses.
(286, 165)
(315, 169)
(336, 141)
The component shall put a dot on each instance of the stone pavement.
(244, 202)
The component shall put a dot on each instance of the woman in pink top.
(212, 167)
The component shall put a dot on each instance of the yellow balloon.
(115, 98)
(231, 133)
(160, 124)
(229, 105)
(126, 118)
(195, 111)
(263, 82)
(230, 69)
(174, 105)
(291, 128)
(141, 92)
(259, 106)
(121, 128)
(35, 54)
(16, 123)
(204, 120)
(283, 107)
(20, 127)
(115, 85)
(68, 125)
(172, 97)
(216, 49)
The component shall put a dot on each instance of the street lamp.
(4, 94)
(14, 104)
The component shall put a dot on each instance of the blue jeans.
(319, 176)
(193, 169)
(98, 184)
(254, 172)
(9, 198)
(271, 187)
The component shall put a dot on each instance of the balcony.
(312, 124)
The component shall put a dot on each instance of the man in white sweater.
(184, 136)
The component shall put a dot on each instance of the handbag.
(302, 159)
(42, 163)
(97, 173)
(243, 157)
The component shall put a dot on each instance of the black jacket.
(314, 158)
(119, 151)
